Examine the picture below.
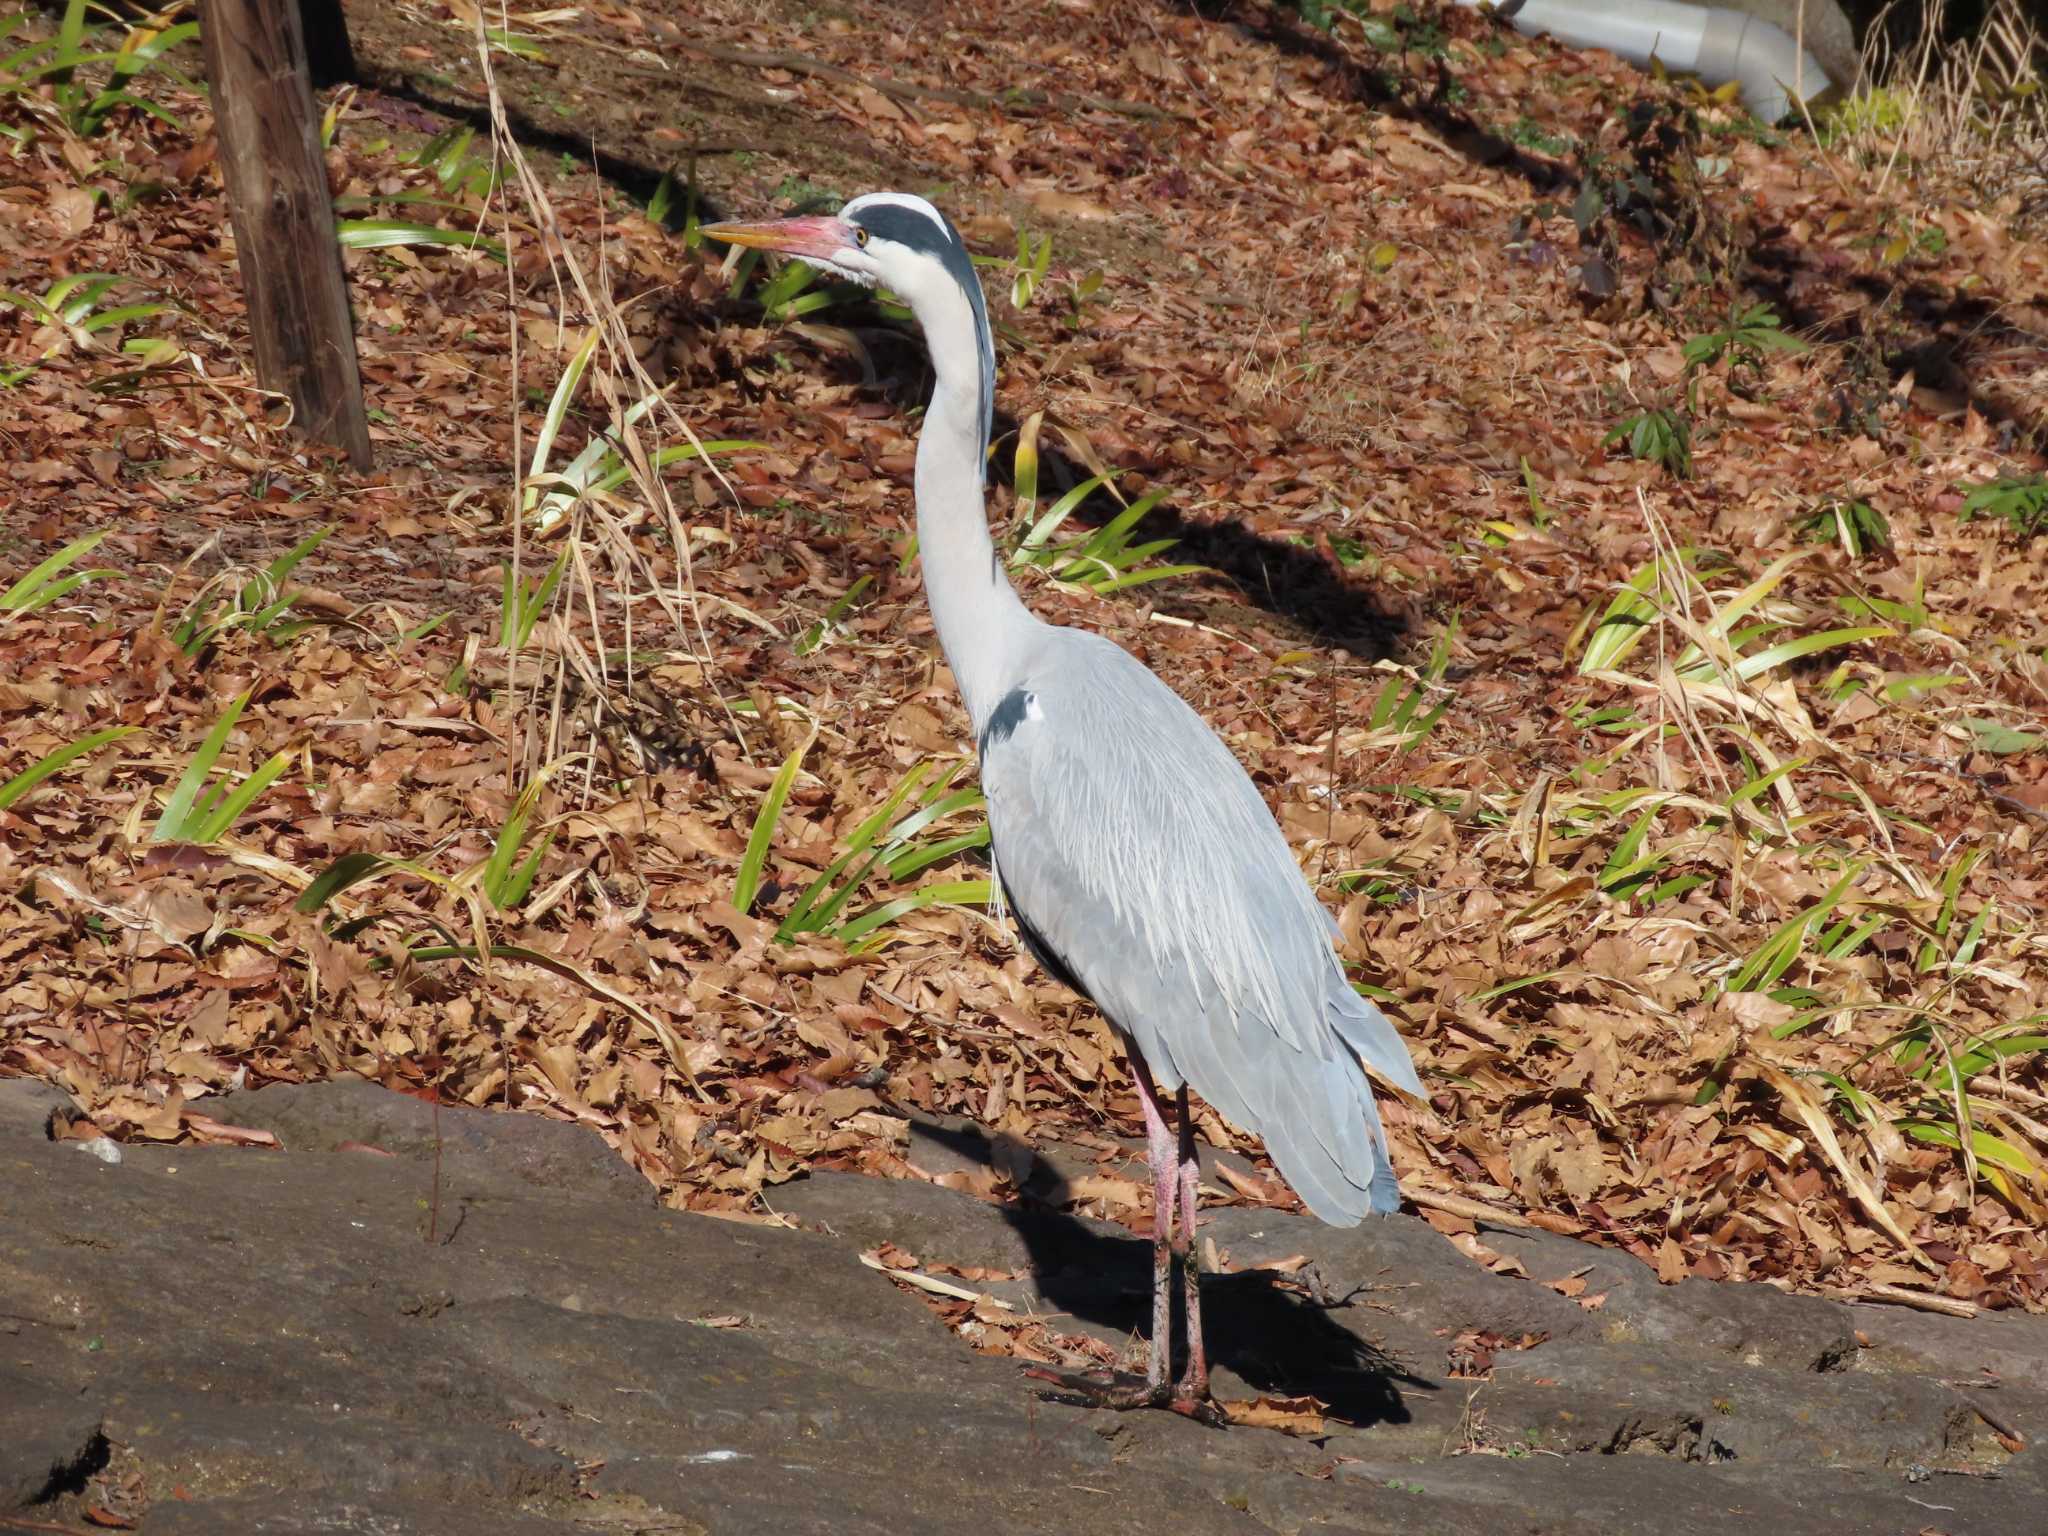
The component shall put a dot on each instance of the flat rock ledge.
(235, 1340)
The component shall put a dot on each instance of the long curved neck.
(981, 623)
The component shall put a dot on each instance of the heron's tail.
(1328, 1141)
(1365, 1029)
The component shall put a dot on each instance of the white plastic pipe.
(1712, 41)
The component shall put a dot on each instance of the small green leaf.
(2000, 739)
(350, 869)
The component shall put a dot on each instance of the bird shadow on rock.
(1256, 1326)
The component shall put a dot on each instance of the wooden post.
(283, 217)
(328, 54)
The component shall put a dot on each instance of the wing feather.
(1139, 856)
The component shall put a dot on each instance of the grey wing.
(1145, 871)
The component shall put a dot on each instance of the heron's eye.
(860, 237)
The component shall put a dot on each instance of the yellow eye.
(860, 237)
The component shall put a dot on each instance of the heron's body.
(1141, 864)
(1148, 873)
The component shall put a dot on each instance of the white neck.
(980, 621)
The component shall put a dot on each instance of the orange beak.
(814, 237)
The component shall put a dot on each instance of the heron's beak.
(814, 237)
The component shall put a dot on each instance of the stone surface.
(26, 1104)
(325, 1514)
(46, 1443)
(271, 1344)
(323, 1117)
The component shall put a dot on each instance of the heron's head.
(891, 239)
(900, 242)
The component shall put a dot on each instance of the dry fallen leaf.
(1300, 1416)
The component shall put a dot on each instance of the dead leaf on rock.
(1299, 1416)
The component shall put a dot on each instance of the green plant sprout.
(1743, 342)
(601, 466)
(201, 809)
(259, 605)
(52, 581)
(1103, 560)
(70, 307)
(1034, 259)
(55, 762)
(2020, 501)
(1656, 436)
(44, 75)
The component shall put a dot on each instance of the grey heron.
(1139, 862)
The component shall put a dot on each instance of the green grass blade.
(1622, 627)
(177, 822)
(1806, 645)
(29, 593)
(805, 916)
(910, 826)
(54, 762)
(1764, 781)
(747, 884)
(222, 816)
(821, 917)
(1991, 1149)
(286, 563)
(1048, 524)
(1025, 476)
(120, 314)
(904, 865)
(1986, 1053)
(1112, 535)
(378, 234)
(350, 869)
(1775, 955)
(1629, 848)
(1118, 583)
(958, 893)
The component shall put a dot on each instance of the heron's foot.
(1122, 1392)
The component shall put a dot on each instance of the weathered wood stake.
(283, 217)
(328, 54)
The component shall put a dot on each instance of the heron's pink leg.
(1194, 1379)
(1159, 1152)
(1173, 1185)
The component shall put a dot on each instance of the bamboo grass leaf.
(350, 869)
(43, 586)
(200, 810)
(381, 234)
(55, 762)
(747, 884)
(958, 893)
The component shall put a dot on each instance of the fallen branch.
(1458, 1205)
(936, 1286)
(1925, 1301)
(1999, 1423)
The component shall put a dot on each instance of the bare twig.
(1925, 1301)
(1458, 1205)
